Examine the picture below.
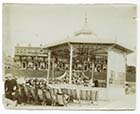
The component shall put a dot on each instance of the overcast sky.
(43, 24)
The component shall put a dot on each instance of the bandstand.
(88, 62)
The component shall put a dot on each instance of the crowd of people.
(37, 91)
(78, 78)
(33, 91)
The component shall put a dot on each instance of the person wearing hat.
(6, 85)
(11, 88)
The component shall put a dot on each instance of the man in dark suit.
(11, 88)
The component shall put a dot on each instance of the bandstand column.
(92, 75)
(70, 70)
(49, 65)
(124, 78)
(108, 67)
(53, 69)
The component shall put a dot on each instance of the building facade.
(28, 57)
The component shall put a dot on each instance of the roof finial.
(86, 19)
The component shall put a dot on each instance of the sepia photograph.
(69, 56)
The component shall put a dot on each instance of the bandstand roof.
(86, 36)
(88, 39)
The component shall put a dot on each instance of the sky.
(43, 24)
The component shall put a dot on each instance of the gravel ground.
(127, 102)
